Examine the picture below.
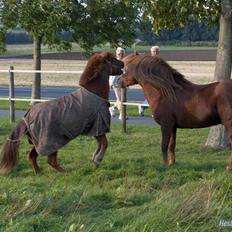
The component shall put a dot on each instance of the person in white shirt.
(115, 85)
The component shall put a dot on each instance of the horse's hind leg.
(100, 151)
(33, 159)
(228, 127)
(166, 135)
(229, 164)
(172, 145)
(52, 160)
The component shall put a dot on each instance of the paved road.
(54, 92)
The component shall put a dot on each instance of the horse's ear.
(96, 70)
(107, 56)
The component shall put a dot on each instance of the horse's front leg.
(166, 135)
(172, 146)
(100, 151)
(52, 160)
(97, 150)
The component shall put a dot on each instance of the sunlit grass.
(131, 191)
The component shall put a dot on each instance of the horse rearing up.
(51, 125)
(177, 102)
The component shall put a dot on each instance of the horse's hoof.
(37, 170)
(171, 162)
(59, 169)
(96, 163)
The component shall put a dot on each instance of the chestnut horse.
(51, 125)
(178, 103)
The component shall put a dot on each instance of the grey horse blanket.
(53, 124)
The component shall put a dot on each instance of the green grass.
(18, 105)
(131, 191)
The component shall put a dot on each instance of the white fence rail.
(39, 71)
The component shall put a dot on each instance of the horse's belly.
(207, 122)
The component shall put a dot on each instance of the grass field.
(25, 49)
(131, 191)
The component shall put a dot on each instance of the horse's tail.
(10, 150)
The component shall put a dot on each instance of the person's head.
(120, 53)
(155, 50)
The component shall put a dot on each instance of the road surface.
(53, 92)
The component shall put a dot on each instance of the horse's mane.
(158, 73)
(92, 66)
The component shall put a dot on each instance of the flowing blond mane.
(157, 72)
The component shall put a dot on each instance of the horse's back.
(224, 86)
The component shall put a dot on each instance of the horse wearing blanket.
(51, 125)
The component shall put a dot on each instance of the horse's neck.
(99, 86)
(152, 95)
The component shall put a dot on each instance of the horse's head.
(100, 66)
(128, 77)
(115, 65)
(141, 69)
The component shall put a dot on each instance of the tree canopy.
(103, 21)
(91, 22)
(41, 19)
(173, 14)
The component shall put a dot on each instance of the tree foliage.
(92, 22)
(104, 21)
(173, 14)
(41, 19)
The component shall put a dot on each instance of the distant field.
(198, 72)
(28, 49)
(196, 63)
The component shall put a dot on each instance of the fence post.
(11, 94)
(123, 109)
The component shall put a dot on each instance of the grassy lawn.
(131, 191)
(18, 105)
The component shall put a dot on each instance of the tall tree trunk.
(217, 137)
(37, 66)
